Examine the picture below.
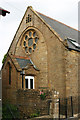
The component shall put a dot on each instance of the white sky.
(65, 11)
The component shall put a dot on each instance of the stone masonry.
(50, 62)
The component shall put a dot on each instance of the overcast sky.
(65, 11)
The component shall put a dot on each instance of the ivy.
(4, 58)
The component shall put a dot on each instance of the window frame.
(10, 69)
(29, 82)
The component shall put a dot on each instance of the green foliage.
(34, 115)
(37, 114)
(4, 58)
(43, 96)
(9, 111)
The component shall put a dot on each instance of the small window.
(28, 19)
(22, 82)
(24, 43)
(30, 50)
(26, 37)
(29, 82)
(34, 34)
(36, 39)
(26, 83)
(30, 33)
(9, 73)
(26, 49)
(34, 46)
(30, 42)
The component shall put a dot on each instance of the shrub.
(42, 95)
(4, 58)
(36, 114)
(9, 111)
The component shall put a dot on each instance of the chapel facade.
(44, 54)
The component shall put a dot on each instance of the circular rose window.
(30, 41)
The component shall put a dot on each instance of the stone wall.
(58, 66)
(8, 90)
(29, 102)
(71, 71)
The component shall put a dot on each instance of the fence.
(69, 107)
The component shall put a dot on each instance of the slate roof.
(63, 30)
(23, 63)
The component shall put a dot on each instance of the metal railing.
(69, 107)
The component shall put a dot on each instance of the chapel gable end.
(26, 21)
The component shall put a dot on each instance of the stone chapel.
(44, 54)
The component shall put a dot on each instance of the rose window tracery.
(30, 41)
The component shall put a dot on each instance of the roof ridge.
(58, 21)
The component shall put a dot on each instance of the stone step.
(46, 117)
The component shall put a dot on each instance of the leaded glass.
(34, 34)
(30, 19)
(24, 43)
(30, 33)
(30, 50)
(36, 39)
(26, 37)
(34, 46)
(30, 42)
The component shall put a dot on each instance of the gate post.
(56, 105)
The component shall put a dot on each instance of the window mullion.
(29, 83)
(33, 83)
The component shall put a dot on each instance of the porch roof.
(25, 63)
